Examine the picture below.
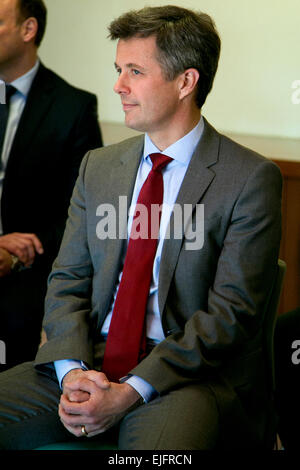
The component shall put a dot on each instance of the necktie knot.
(10, 90)
(159, 161)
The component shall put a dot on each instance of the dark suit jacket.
(58, 126)
(211, 300)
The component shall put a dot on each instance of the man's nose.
(121, 85)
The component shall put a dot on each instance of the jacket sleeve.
(68, 299)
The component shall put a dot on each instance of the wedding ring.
(83, 431)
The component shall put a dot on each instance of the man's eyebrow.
(131, 65)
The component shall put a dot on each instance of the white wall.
(260, 59)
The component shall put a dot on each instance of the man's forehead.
(9, 7)
(137, 43)
(136, 51)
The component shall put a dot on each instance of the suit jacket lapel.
(122, 174)
(197, 179)
(37, 104)
(127, 167)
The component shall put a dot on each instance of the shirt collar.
(23, 83)
(182, 150)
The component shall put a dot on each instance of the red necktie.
(126, 340)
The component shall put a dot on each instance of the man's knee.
(185, 419)
(28, 407)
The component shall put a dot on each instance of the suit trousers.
(184, 419)
(22, 297)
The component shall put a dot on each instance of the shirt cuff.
(146, 390)
(62, 367)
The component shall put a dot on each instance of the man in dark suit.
(189, 372)
(51, 125)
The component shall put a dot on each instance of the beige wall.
(260, 59)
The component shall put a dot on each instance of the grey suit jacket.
(211, 300)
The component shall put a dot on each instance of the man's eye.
(135, 72)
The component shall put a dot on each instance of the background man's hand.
(5, 262)
(90, 399)
(23, 245)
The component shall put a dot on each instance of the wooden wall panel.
(290, 243)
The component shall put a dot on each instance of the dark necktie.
(4, 111)
(126, 340)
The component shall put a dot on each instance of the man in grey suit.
(200, 383)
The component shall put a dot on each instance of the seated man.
(156, 337)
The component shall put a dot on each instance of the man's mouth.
(128, 106)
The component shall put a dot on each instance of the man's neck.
(17, 69)
(163, 139)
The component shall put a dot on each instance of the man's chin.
(139, 127)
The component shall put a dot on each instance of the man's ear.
(188, 82)
(29, 29)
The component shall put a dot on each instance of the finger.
(75, 421)
(69, 377)
(81, 383)
(31, 243)
(30, 254)
(21, 247)
(27, 239)
(91, 429)
(99, 378)
(78, 396)
(74, 409)
(37, 244)
(68, 419)
(70, 408)
(16, 247)
(75, 430)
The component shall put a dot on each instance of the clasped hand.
(89, 399)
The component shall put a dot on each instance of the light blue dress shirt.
(181, 152)
(17, 104)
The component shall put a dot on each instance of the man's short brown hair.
(184, 38)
